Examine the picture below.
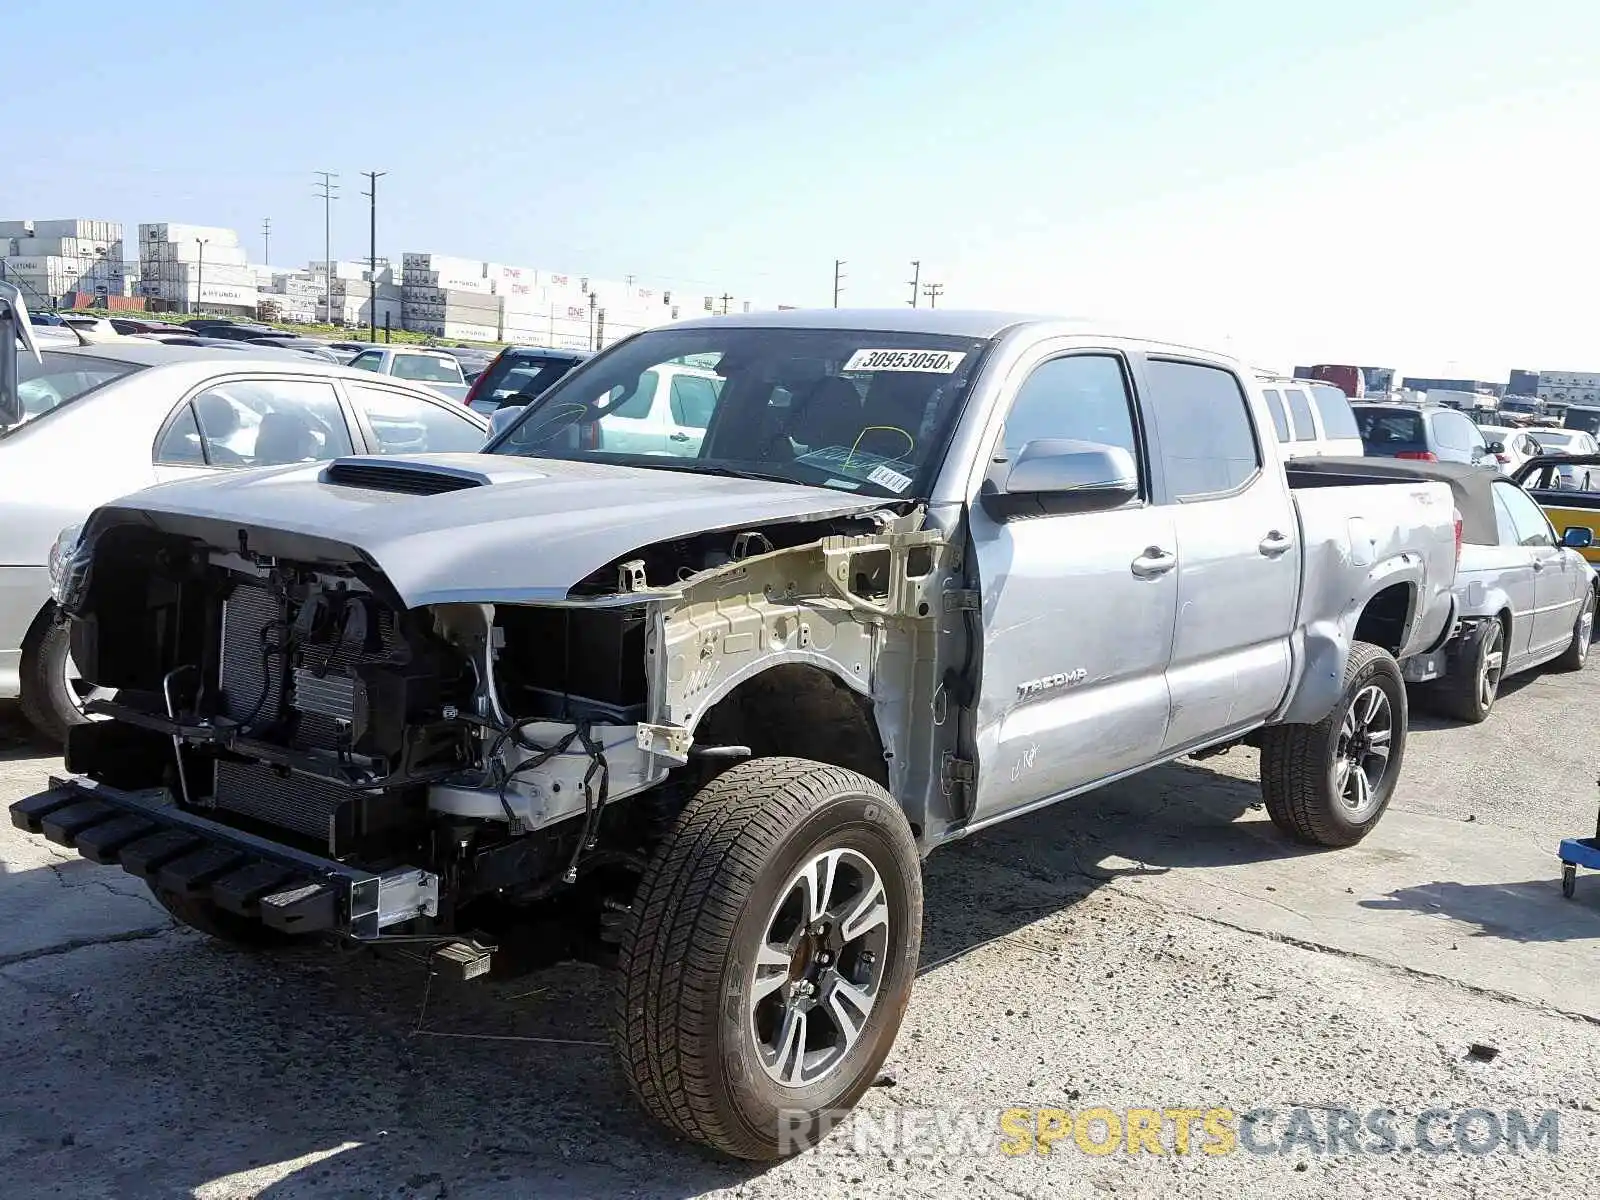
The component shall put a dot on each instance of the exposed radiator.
(294, 802)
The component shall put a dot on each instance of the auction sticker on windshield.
(935, 362)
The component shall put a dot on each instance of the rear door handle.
(1538, 564)
(1275, 543)
(679, 437)
(1153, 562)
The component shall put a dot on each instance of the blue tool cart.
(1575, 853)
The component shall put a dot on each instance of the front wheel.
(768, 956)
(1327, 784)
(53, 692)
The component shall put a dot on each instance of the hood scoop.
(397, 475)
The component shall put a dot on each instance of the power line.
(326, 187)
(372, 261)
(933, 291)
(916, 277)
(838, 279)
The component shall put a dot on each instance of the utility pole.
(725, 299)
(916, 278)
(200, 273)
(372, 251)
(266, 241)
(326, 187)
(593, 344)
(933, 291)
(838, 279)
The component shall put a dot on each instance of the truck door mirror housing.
(1051, 475)
(1576, 537)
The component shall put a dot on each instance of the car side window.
(271, 422)
(1203, 422)
(1305, 429)
(1280, 420)
(1505, 528)
(1333, 406)
(367, 360)
(406, 424)
(694, 399)
(1446, 432)
(1533, 528)
(1080, 397)
(181, 445)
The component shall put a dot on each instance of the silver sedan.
(1526, 598)
(102, 420)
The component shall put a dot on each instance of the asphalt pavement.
(1154, 946)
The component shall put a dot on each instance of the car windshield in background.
(517, 378)
(1389, 427)
(59, 379)
(425, 368)
(849, 409)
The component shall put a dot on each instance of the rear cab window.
(1386, 430)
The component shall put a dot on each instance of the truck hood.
(471, 527)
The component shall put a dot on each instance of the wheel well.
(1383, 621)
(799, 710)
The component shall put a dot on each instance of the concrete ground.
(1155, 945)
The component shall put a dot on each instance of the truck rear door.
(1078, 607)
(1238, 560)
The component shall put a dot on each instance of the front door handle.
(1275, 543)
(679, 437)
(1153, 562)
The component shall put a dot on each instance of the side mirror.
(502, 418)
(1495, 448)
(1053, 475)
(1576, 537)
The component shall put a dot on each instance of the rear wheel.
(1468, 692)
(768, 956)
(1327, 784)
(1577, 652)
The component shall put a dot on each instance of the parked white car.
(431, 368)
(1510, 447)
(101, 421)
(1312, 419)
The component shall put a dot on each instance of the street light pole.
(200, 280)
(372, 249)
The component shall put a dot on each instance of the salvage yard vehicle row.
(922, 573)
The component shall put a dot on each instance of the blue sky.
(1404, 183)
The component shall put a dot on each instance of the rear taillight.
(1501, 458)
(1457, 513)
(1419, 455)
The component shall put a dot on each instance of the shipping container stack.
(52, 260)
(450, 298)
(354, 298)
(197, 268)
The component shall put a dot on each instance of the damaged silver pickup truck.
(710, 685)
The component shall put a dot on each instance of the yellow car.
(1550, 480)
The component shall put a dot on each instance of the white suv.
(1312, 418)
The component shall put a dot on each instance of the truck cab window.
(1082, 396)
(1208, 441)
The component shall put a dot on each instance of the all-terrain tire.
(205, 917)
(47, 703)
(685, 1000)
(1300, 763)
(1577, 652)
(1468, 691)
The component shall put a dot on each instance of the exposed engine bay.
(487, 745)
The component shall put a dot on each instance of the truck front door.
(1078, 608)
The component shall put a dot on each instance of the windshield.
(60, 378)
(1586, 419)
(517, 377)
(849, 409)
(425, 368)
